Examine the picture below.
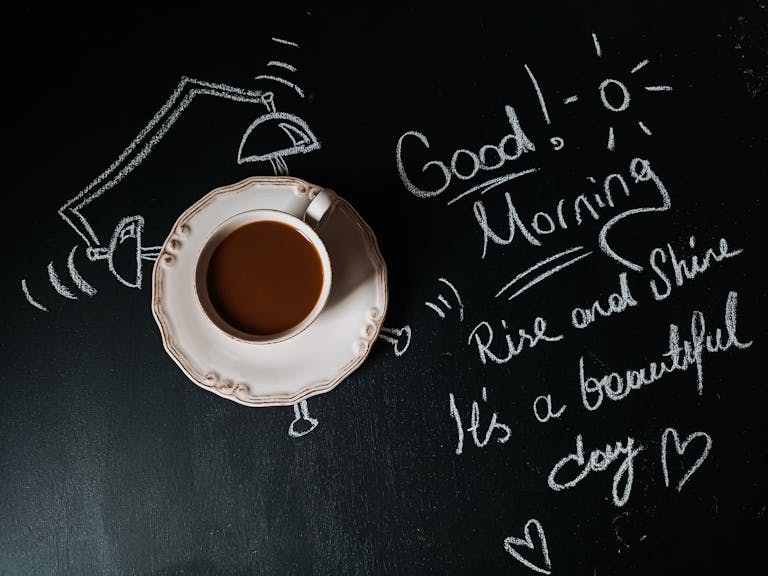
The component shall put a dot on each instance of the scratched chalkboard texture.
(570, 376)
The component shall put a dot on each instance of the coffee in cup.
(264, 275)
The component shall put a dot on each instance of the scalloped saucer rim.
(255, 375)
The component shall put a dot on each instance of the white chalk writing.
(474, 425)
(548, 404)
(617, 302)
(678, 357)
(512, 349)
(684, 268)
(598, 461)
(543, 223)
(400, 338)
(466, 164)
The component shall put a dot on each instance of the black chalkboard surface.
(568, 380)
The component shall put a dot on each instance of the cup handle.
(320, 207)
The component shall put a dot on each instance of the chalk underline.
(492, 183)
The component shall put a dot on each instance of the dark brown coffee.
(264, 278)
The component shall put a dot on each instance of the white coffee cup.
(304, 223)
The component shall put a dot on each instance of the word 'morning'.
(543, 223)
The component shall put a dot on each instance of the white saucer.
(284, 373)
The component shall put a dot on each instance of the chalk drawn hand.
(511, 545)
(680, 448)
(127, 236)
(129, 230)
(400, 338)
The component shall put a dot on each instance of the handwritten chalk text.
(684, 268)
(465, 164)
(474, 425)
(598, 461)
(543, 223)
(512, 348)
(617, 302)
(548, 407)
(679, 357)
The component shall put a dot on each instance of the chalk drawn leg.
(303, 423)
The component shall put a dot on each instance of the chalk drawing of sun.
(615, 97)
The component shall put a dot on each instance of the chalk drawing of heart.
(511, 543)
(681, 448)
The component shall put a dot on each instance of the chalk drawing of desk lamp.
(261, 130)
